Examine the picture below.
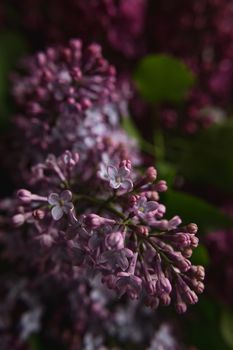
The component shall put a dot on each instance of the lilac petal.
(94, 242)
(174, 222)
(68, 207)
(128, 252)
(127, 185)
(141, 202)
(123, 172)
(57, 212)
(66, 196)
(122, 262)
(53, 198)
(114, 184)
(151, 206)
(112, 171)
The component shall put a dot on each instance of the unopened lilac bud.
(161, 186)
(192, 228)
(181, 307)
(194, 241)
(191, 297)
(152, 195)
(25, 196)
(142, 231)
(151, 174)
(133, 200)
(165, 299)
(18, 220)
(114, 240)
(199, 272)
(94, 221)
(198, 286)
(38, 214)
(187, 252)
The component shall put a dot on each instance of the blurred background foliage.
(203, 161)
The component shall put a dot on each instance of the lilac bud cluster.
(68, 98)
(112, 225)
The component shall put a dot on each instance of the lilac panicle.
(117, 232)
(68, 98)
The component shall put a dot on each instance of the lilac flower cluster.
(203, 40)
(117, 25)
(68, 99)
(116, 228)
(85, 211)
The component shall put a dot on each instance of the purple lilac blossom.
(68, 98)
(105, 231)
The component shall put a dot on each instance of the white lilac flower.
(61, 204)
(119, 178)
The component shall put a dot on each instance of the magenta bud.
(187, 252)
(152, 195)
(38, 214)
(94, 221)
(200, 272)
(198, 286)
(165, 299)
(142, 231)
(151, 174)
(133, 200)
(181, 307)
(191, 296)
(192, 228)
(161, 186)
(18, 220)
(25, 196)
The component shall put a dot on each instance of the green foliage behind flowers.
(161, 78)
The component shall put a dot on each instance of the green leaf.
(161, 78)
(200, 256)
(207, 160)
(227, 327)
(194, 209)
(130, 128)
(201, 326)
